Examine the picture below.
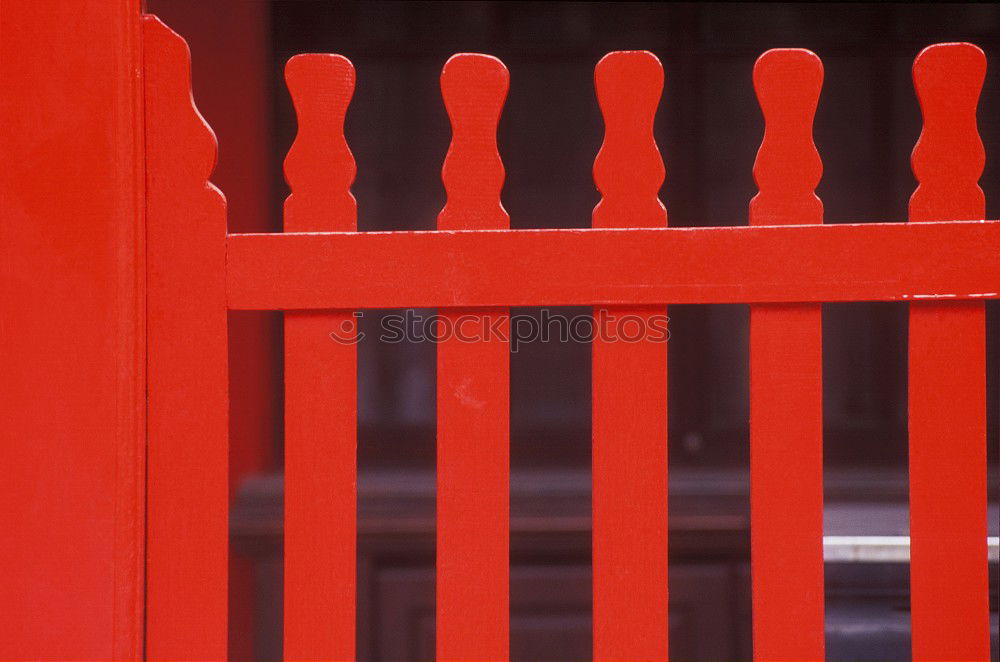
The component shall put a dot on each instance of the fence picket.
(629, 465)
(786, 384)
(187, 543)
(473, 452)
(947, 378)
(320, 382)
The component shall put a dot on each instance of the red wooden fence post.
(786, 384)
(947, 380)
(320, 382)
(473, 391)
(188, 450)
(231, 79)
(72, 331)
(629, 465)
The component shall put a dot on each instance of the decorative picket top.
(949, 156)
(628, 169)
(788, 166)
(319, 167)
(474, 88)
(784, 263)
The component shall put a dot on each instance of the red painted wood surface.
(87, 440)
(231, 79)
(473, 389)
(320, 382)
(629, 462)
(786, 382)
(868, 262)
(72, 353)
(947, 378)
(188, 452)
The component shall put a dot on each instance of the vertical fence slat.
(947, 378)
(786, 382)
(188, 449)
(629, 465)
(473, 391)
(320, 381)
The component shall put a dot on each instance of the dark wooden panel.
(550, 560)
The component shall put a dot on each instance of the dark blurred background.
(708, 129)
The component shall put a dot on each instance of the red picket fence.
(785, 264)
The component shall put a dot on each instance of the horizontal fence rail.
(784, 263)
(864, 262)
